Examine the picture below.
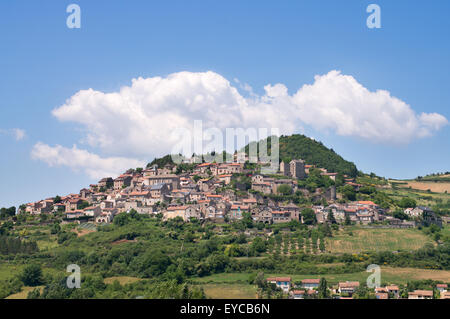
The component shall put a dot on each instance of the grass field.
(8, 271)
(358, 239)
(123, 280)
(47, 244)
(388, 275)
(24, 293)
(229, 291)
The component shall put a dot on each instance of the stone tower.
(297, 169)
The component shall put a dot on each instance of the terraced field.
(358, 239)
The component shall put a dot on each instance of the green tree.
(323, 289)
(407, 202)
(284, 189)
(309, 217)
(31, 275)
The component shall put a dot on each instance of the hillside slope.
(299, 146)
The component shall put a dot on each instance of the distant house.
(263, 216)
(284, 283)
(427, 214)
(348, 287)
(281, 216)
(92, 211)
(382, 295)
(74, 204)
(192, 212)
(393, 289)
(297, 169)
(159, 190)
(74, 214)
(284, 169)
(237, 210)
(175, 211)
(122, 181)
(310, 283)
(442, 288)
(136, 195)
(172, 180)
(297, 294)
(250, 201)
(225, 178)
(263, 187)
(420, 294)
(106, 182)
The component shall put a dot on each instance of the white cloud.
(338, 102)
(93, 165)
(17, 133)
(137, 121)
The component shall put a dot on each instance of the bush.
(31, 275)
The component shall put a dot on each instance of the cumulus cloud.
(338, 102)
(81, 160)
(17, 133)
(138, 120)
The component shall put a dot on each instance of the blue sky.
(43, 64)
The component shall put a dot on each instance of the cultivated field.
(230, 291)
(437, 187)
(359, 239)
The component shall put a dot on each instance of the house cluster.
(308, 288)
(201, 194)
(424, 213)
(195, 195)
(188, 195)
(361, 212)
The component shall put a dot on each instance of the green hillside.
(314, 153)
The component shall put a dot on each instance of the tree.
(121, 219)
(247, 220)
(331, 218)
(407, 202)
(322, 244)
(7, 212)
(347, 220)
(308, 216)
(323, 289)
(284, 189)
(400, 215)
(31, 275)
(348, 192)
(258, 245)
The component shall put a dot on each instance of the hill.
(299, 146)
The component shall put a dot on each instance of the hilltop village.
(303, 232)
(224, 193)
